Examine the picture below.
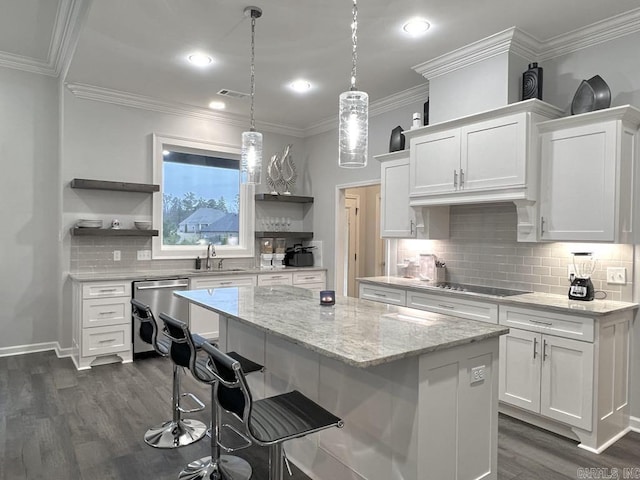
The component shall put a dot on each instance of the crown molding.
(591, 35)
(62, 39)
(116, 97)
(407, 97)
(509, 40)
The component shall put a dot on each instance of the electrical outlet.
(144, 255)
(116, 255)
(477, 374)
(571, 270)
(617, 275)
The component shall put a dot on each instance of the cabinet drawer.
(106, 340)
(97, 312)
(300, 278)
(568, 326)
(275, 279)
(222, 281)
(106, 289)
(383, 295)
(470, 309)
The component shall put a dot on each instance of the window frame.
(246, 214)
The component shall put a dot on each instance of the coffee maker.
(581, 285)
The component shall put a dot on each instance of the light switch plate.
(617, 275)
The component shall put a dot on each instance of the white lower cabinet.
(376, 293)
(203, 321)
(456, 307)
(101, 323)
(265, 279)
(581, 384)
(316, 280)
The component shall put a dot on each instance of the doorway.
(360, 252)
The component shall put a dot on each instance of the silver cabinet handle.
(108, 313)
(159, 287)
(411, 227)
(455, 179)
(309, 278)
(544, 350)
(108, 290)
(540, 322)
(446, 306)
(226, 283)
(535, 344)
(109, 340)
(379, 294)
(461, 178)
(541, 226)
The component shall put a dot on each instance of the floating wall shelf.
(117, 186)
(300, 235)
(268, 197)
(113, 232)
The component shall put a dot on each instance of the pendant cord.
(354, 41)
(253, 68)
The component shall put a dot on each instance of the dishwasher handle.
(158, 287)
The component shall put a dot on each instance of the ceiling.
(139, 46)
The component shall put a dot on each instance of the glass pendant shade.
(353, 129)
(251, 160)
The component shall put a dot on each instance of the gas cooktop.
(462, 287)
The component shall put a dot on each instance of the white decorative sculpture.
(288, 171)
(274, 175)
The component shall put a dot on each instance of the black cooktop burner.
(462, 287)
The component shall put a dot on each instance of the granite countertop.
(184, 273)
(358, 332)
(548, 301)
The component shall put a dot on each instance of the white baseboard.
(634, 424)
(35, 348)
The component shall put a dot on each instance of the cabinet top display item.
(116, 186)
(270, 197)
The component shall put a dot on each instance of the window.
(201, 200)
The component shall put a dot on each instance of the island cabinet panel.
(416, 418)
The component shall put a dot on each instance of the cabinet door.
(519, 381)
(396, 217)
(577, 190)
(393, 296)
(435, 163)
(494, 153)
(566, 386)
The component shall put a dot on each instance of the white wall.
(110, 142)
(30, 209)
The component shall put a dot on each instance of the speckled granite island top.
(358, 332)
(559, 303)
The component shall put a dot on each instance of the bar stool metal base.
(175, 434)
(229, 467)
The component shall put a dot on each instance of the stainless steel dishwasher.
(158, 294)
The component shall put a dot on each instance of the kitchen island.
(418, 391)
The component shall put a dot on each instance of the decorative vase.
(532, 82)
(396, 142)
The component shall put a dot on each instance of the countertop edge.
(527, 300)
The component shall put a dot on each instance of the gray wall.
(29, 258)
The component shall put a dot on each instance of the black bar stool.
(269, 421)
(184, 350)
(178, 431)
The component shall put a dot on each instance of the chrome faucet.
(211, 252)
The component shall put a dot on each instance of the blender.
(581, 286)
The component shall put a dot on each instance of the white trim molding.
(63, 40)
(527, 46)
(35, 348)
(634, 424)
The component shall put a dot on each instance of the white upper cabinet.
(397, 218)
(587, 176)
(485, 157)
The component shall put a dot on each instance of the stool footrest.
(200, 405)
(229, 447)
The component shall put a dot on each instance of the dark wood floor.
(60, 424)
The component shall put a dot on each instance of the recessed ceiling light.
(217, 105)
(166, 152)
(300, 85)
(416, 26)
(200, 59)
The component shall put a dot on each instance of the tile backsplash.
(482, 249)
(95, 254)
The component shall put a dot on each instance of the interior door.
(351, 206)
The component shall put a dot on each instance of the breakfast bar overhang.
(418, 392)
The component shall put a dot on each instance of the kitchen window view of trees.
(201, 200)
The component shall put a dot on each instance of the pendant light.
(353, 125)
(251, 160)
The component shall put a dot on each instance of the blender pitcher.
(584, 265)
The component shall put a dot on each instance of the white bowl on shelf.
(142, 225)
